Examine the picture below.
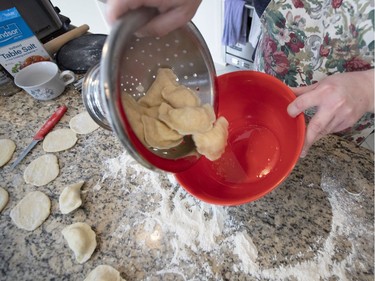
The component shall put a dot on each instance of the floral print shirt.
(304, 41)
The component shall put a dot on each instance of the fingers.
(322, 123)
(300, 104)
(115, 8)
(172, 14)
(301, 90)
(164, 23)
(307, 97)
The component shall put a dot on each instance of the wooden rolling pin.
(55, 44)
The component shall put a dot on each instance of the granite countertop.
(317, 225)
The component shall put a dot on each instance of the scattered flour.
(202, 228)
(246, 250)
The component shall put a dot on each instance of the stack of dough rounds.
(168, 112)
(7, 148)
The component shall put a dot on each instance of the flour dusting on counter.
(195, 227)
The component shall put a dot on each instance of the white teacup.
(43, 80)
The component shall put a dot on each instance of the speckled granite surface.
(318, 225)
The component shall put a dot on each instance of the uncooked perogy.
(81, 239)
(70, 198)
(104, 273)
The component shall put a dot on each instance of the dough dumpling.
(81, 239)
(133, 113)
(180, 97)
(164, 78)
(70, 198)
(188, 120)
(212, 144)
(159, 135)
(104, 273)
(150, 111)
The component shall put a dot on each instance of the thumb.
(295, 108)
(302, 102)
(304, 89)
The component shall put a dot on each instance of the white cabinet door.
(210, 19)
(90, 12)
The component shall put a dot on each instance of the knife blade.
(43, 131)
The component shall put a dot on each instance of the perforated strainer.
(129, 65)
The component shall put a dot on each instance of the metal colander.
(129, 65)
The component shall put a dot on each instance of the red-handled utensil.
(46, 128)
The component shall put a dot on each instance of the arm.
(341, 100)
(173, 13)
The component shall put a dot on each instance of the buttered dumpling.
(104, 273)
(150, 111)
(159, 135)
(180, 96)
(164, 78)
(133, 113)
(188, 120)
(81, 239)
(212, 143)
(169, 111)
(70, 198)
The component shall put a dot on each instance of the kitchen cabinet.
(91, 12)
(209, 19)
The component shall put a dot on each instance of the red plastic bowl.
(264, 142)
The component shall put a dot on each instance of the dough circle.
(59, 140)
(31, 211)
(83, 123)
(4, 198)
(7, 148)
(81, 239)
(104, 273)
(42, 170)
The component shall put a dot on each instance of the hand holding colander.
(129, 65)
